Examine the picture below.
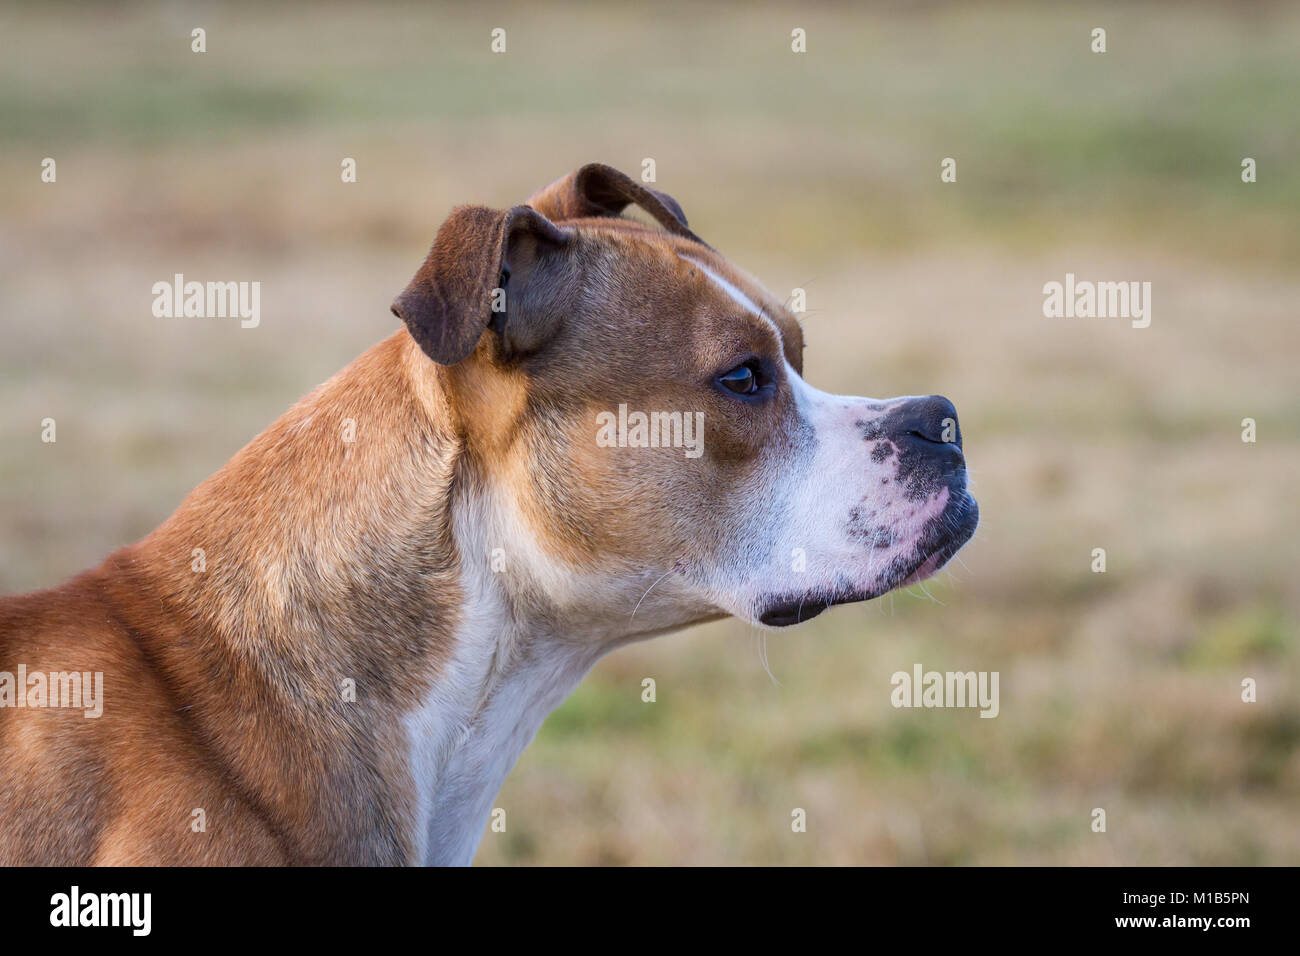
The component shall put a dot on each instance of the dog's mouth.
(787, 613)
(946, 536)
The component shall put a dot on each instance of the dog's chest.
(469, 732)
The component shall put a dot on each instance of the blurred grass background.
(1119, 690)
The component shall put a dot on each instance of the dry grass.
(1118, 690)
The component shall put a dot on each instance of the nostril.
(925, 437)
(955, 445)
(933, 419)
(948, 454)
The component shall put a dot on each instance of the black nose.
(931, 424)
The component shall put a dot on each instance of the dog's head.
(634, 409)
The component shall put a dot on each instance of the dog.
(337, 647)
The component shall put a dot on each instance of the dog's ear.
(461, 289)
(600, 190)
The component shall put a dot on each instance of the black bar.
(330, 906)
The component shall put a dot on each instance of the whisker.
(762, 657)
(921, 585)
(647, 591)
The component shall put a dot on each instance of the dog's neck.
(504, 676)
(346, 584)
(529, 630)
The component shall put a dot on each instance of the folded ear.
(600, 190)
(460, 289)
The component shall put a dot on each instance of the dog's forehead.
(703, 272)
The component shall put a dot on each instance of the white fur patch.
(501, 682)
(733, 292)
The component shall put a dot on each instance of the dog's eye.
(743, 379)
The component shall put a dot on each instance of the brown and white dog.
(466, 557)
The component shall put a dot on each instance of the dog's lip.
(786, 611)
(793, 612)
(924, 569)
